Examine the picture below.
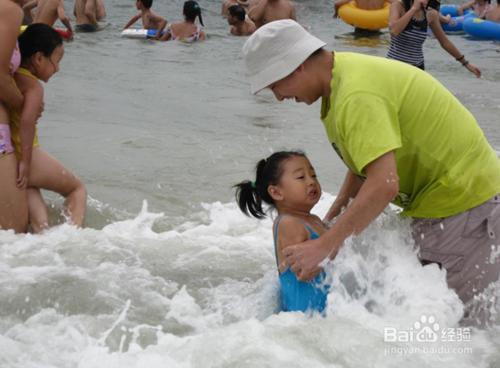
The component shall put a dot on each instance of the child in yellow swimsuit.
(41, 51)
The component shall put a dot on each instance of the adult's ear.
(275, 192)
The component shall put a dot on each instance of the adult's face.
(299, 86)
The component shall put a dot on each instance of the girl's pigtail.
(249, 194)
(199, 17)
(249, 200)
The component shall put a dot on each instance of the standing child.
(41, 51)
(150, 20)
(287, 181)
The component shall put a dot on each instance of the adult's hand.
(419, 4)
(23, 173)
(305, 258)
(473, 69)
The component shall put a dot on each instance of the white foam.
(205, 294)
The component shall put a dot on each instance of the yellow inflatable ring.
(372, 20)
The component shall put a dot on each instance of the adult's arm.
(256, 12)
(30, 5)
(377, 191)
(90, 11)
(444, 41)
(101, 10)
(62, 16)
(349, 190)
(336, 6)
(467, 5)
(397, 20)
(11, 18)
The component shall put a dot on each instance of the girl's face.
(46, 67)
(299, 188)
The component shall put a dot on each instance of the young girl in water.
(41, 51)
(287, 181)
(186, 31)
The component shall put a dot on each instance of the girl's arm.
(349, 189)
(33, 100)
(467, 5)
(290, 231)
(398, 22)
(10, 23)
(444, 41)
(132, 20)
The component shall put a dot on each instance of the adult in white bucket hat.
(405, 139)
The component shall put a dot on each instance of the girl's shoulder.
(289, 223)
(27, 82)
(289, 230)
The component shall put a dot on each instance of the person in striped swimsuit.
(408, 23)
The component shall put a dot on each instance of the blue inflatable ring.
(482, 29)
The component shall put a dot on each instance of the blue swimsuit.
(298, 295)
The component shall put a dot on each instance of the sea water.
(168, 272)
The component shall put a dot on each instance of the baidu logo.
(425, 330)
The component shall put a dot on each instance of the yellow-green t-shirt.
(445, 164)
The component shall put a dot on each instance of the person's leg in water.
(13, 200)
(38, 212)
(48, 173)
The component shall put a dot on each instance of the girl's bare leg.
(13, 201)
(48, 173)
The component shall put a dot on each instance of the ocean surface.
(167, 271)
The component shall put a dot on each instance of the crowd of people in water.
(285, 180)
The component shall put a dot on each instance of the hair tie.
(254, 186)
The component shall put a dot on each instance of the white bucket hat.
(275, 50)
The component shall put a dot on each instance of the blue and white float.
(482, 29)
(139, 33)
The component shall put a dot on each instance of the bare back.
(370, 4)
(46, 12)
(151, 20)
(278, 9)
(85, 11)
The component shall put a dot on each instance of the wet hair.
(191, 11)
(250, 195)
(237, 11)
(38, 37)
(147, 3)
